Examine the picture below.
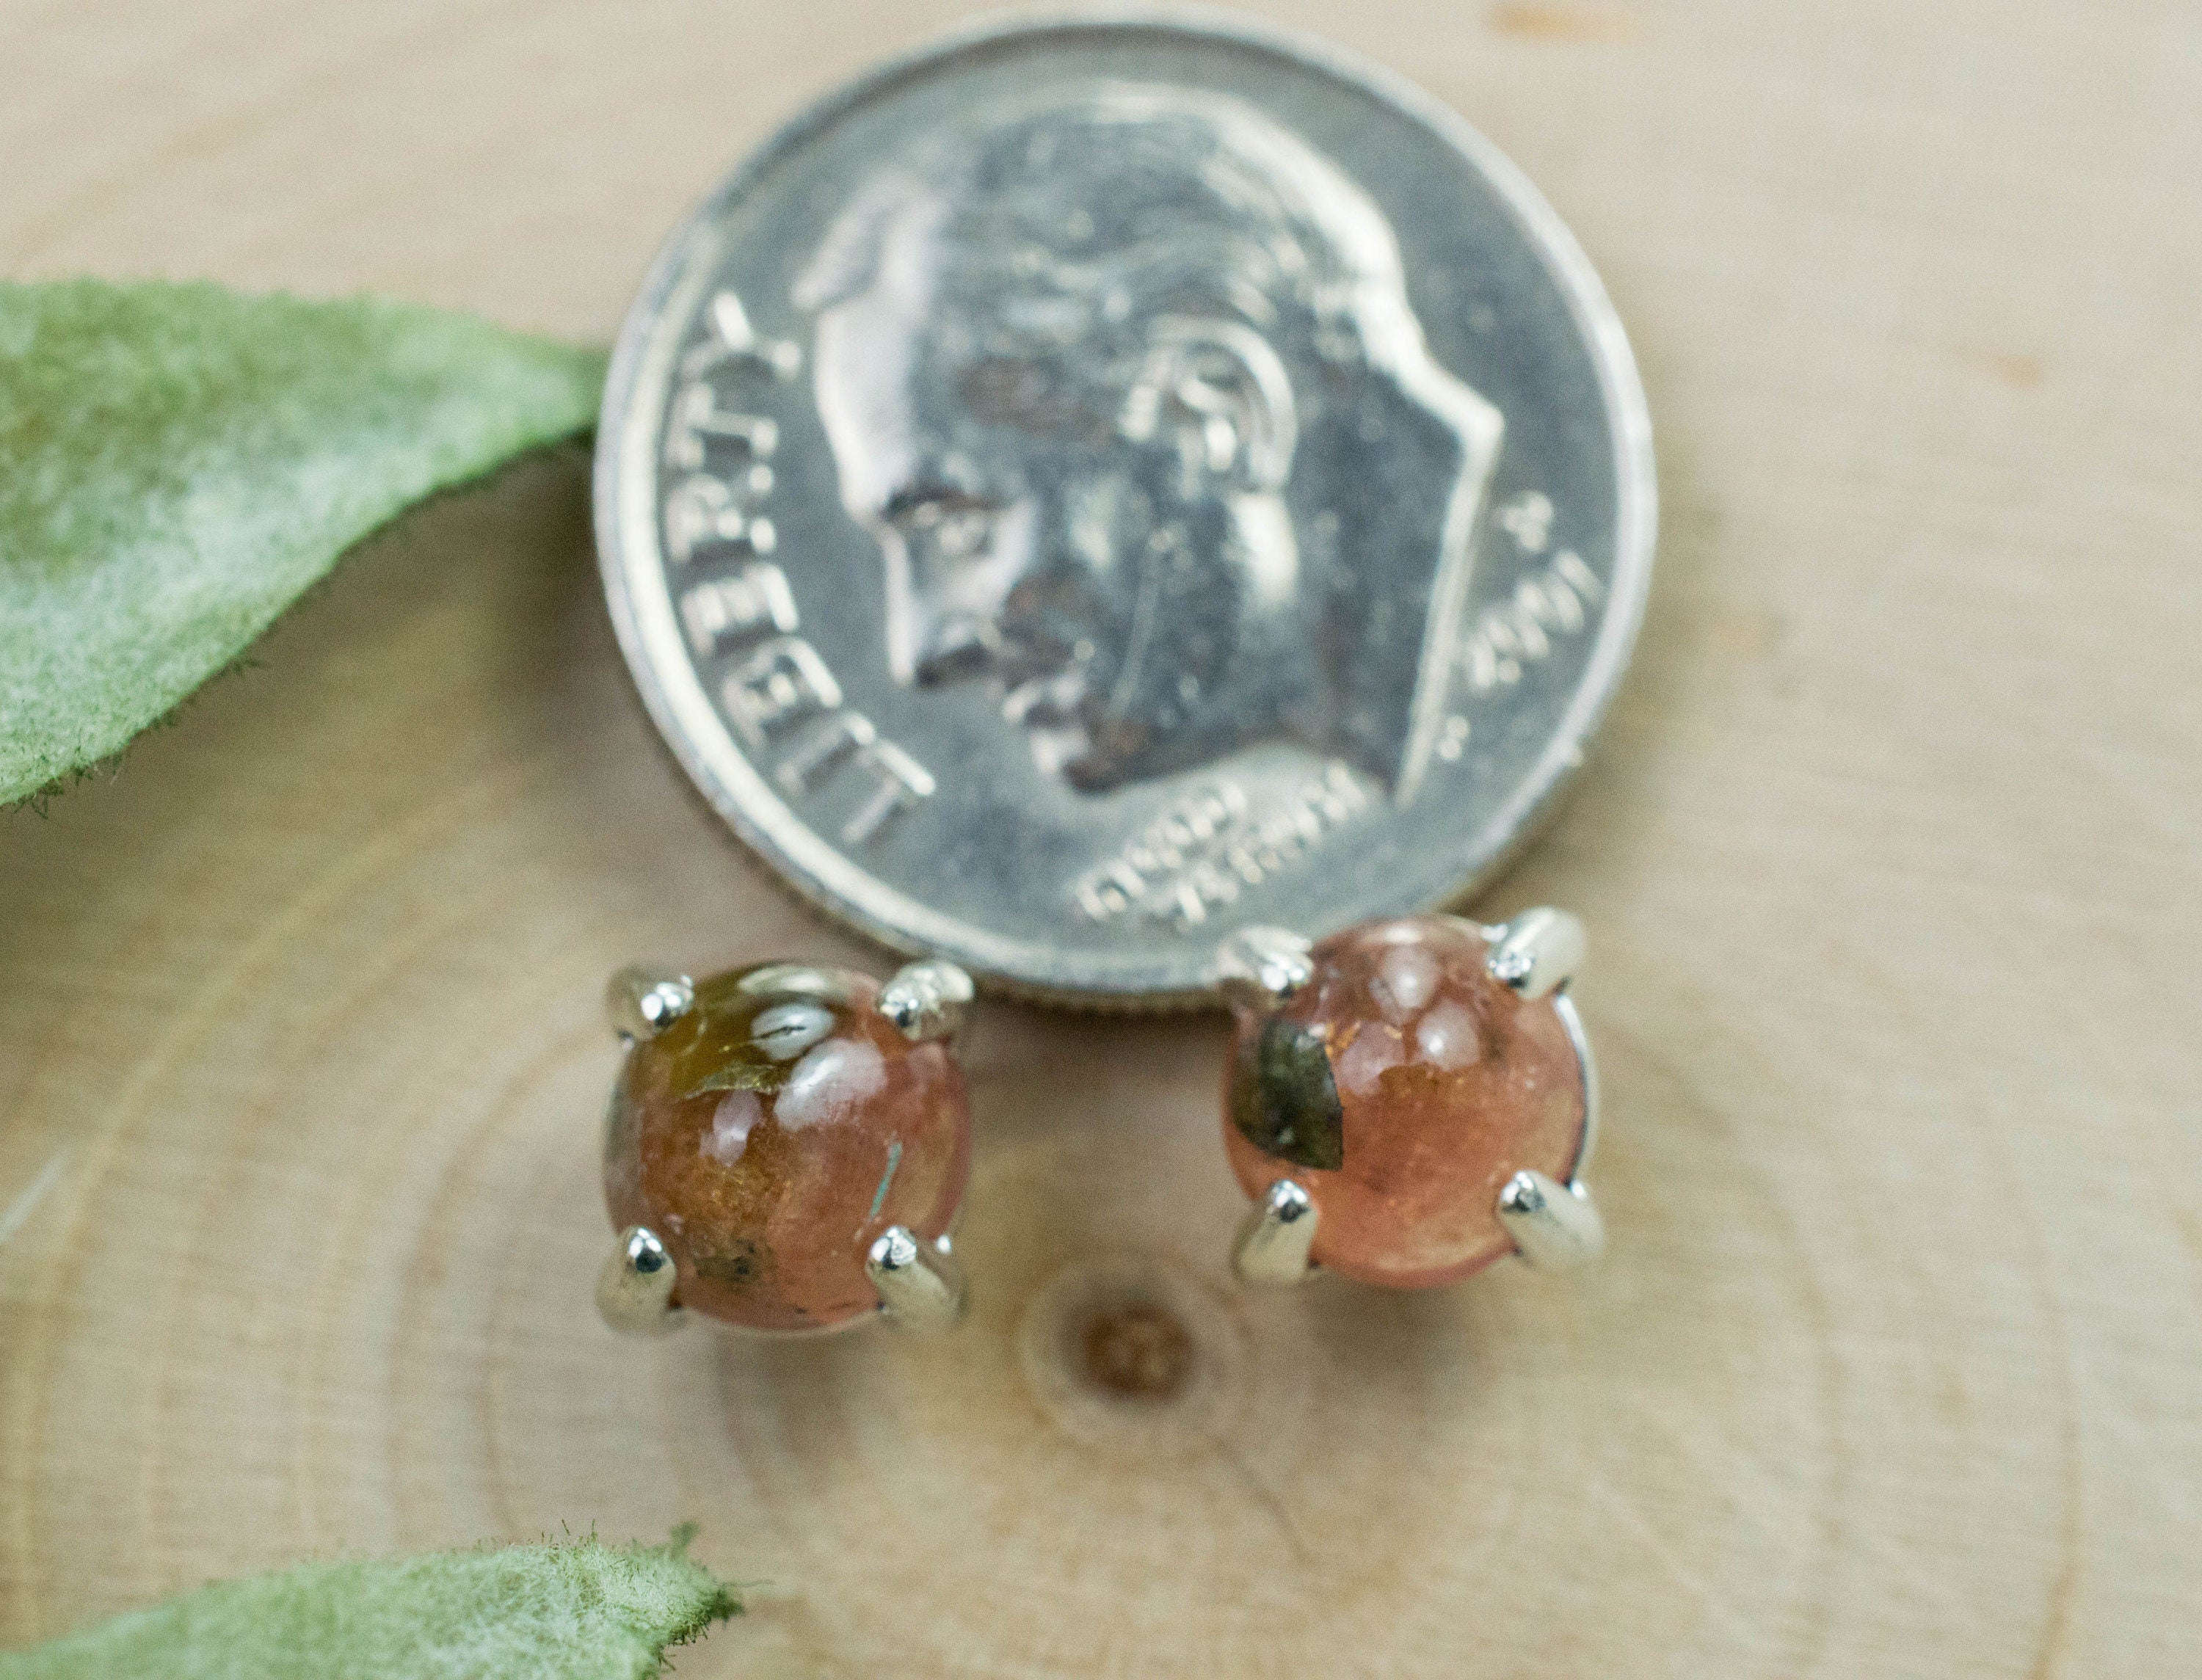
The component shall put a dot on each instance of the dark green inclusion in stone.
(1284, 1101)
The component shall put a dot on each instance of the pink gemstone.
(769, 1136)
(1401, 1088)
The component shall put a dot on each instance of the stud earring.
(786, 1149)
(1410, 1100)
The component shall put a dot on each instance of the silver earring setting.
(1410, 1099)
(787, 1149)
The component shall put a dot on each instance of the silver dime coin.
(1095, 484)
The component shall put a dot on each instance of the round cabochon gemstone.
(1401, 1087)
(771, 1134)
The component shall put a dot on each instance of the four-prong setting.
(1537, 952)
(1388, 1082)
(927, 1001)
(642, 999)
(920, 1284)
(770, 1128)
(1276, 1235)
(634, 1290)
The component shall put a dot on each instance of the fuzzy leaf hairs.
(576, 1611)
(178, 462)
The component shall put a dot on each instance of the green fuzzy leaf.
(582, 1612)
(178, 462)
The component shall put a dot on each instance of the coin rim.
(835, 884)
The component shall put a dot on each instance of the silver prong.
(1259, 969)
(921, 1283)
(1538, 952)
(1276, 1235)
(1553, 1224)
(641, 1001)
(795, 979)
(926, 1000)
(634, 1291)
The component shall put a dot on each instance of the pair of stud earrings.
(1407, 1101)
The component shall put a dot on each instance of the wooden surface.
(1893, 857)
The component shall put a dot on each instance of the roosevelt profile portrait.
(1125, 383)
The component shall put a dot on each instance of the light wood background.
(1892, 856)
